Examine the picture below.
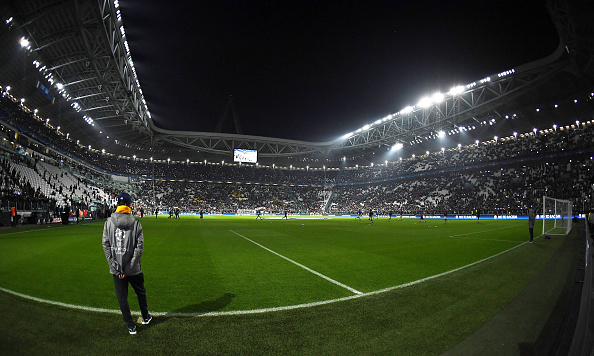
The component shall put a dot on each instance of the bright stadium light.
(441, 134)
(457, 90)
(425, 102)
(60, 86)
(437, 97)
(366, 127)
(407, 110)
(397, 146)
(24, 42)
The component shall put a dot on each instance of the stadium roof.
(70, 60)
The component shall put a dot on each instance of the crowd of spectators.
(501, 176)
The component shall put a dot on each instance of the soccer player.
(359, 214)
(123, 244)
(445, 217)
(371, 215)
(478, 215)
(422, 218)
(259, 214)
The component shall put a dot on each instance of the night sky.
(315, 70)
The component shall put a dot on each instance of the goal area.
(556, 215)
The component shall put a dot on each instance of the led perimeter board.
(241, 155)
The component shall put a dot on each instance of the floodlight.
(59, 86)
(437, 97)
(555, 127)
(366, 127)
(427, 152)
(406, 110)
(459, 145)
(441, 134)
(457, 90)
(7, 87)
(425, 102)
(397, 146)
(24, 42)
(495, 138)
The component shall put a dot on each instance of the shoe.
(147, 320)
(530, 241)
(132, 330)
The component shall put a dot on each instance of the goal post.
(557, 215)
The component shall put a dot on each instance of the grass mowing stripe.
(300, 265)
(265, 310)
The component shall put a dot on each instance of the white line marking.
(35, 230)
(480, 232)
(479, 239)
(265, 310)
(300, 265)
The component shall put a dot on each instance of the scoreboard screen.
(241, 155)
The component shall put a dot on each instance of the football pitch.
(219, 268)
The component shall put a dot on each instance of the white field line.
(300, 265)
(22, 232)
(480, 232)
(266, 310)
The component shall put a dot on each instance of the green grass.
(197, 266)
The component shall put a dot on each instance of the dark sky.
(315, 70)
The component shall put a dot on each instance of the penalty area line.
(300, 265)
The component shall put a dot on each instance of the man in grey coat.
(531, 218)
(123, 244)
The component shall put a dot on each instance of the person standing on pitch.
(123, 243)
(531, 219)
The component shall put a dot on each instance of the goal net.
(556, 216)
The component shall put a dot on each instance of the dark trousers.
(531, 229)
(121, 288)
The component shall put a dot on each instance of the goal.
(556, 216)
